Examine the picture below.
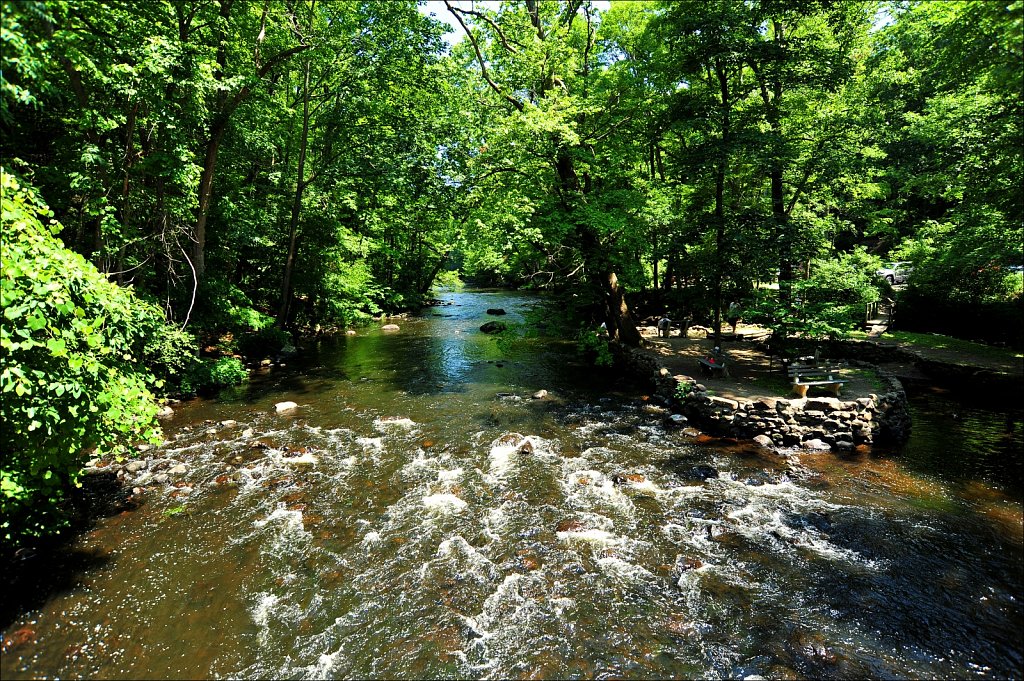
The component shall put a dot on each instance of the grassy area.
(936, 341)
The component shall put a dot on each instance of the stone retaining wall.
(801, 422)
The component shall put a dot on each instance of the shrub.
(210, 375)
(264, 342)
(70, 348)
(170, 353)
(594, 348)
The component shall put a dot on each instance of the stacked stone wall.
(812, 422)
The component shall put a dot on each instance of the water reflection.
(417, 517)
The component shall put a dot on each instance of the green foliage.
(683, 390)
(72, 380)
(210, 375)
(835, 296)
(170, 353)
(266, 342)
(594, 348)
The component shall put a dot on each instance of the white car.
(896, 272)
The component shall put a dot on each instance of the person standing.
(733, 315)
(664, 327)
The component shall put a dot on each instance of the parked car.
(896, 272)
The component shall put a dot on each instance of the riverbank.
(754, 401)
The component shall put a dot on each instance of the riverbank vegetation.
(223, 176)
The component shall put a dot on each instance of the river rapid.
(419, 515)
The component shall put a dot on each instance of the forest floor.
(753, 374)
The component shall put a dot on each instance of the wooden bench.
(714, 363)
(804, 376)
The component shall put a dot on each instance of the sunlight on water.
(406, 526)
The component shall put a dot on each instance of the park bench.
(715, 363)
(804, 376)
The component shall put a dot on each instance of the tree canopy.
(253, 169)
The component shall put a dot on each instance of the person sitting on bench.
(714, 362)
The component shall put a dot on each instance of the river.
(419, 516)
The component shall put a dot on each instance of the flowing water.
(419, 515)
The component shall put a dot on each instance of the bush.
(210, 375)
(72, 379)
(264, 342)
(170, 354)
(594, 348)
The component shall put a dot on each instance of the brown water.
(418, 539)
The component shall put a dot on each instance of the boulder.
(494, 327)
(180, 469)
(350, 332)
(390, 327)
(135, 466)
(248, 432)
(540, 394)
(284, 406)
(815, 444)
(165, 412)
(495, 311)
(764, 441)
(228, 423)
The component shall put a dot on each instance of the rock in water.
(165, 412)
(390, 327)
(496, 311)
(350, 332)
(540, 394)
(493, 327)
(764, 441)
(284, 406)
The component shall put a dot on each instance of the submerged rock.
(698, 472)
(390, 327)
(494, 327)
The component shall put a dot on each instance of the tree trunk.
(616, 311)
(300, 187)
(720, 172)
